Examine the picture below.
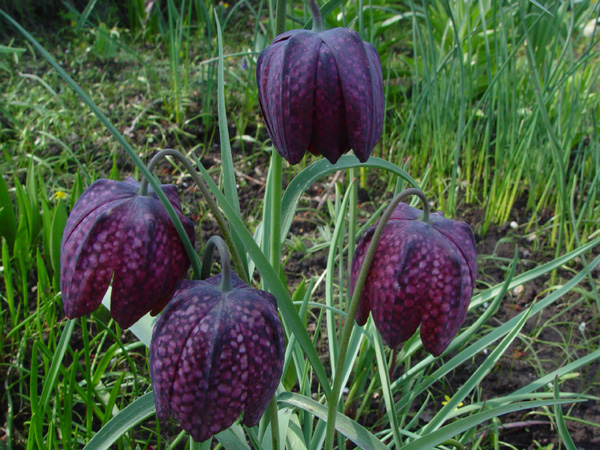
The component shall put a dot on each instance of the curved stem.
(214, 208)
(315, 12)
(425, 216)
(358, 288)
(219, 243)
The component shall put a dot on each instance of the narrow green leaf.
(76, 189)
(37, 413)
(61, 348)
(338, 234)
(8, 222)
(227, 169)
(295, 436)
(561, 426)
(111, 410)
(233, 438)
(46, 228)
(35, 218)
(447, 432)
(384, 378)
(86, 13)
(8, 285)
(229, 181)
(43, 282)
(348, 427)
(103, 364)
(283, 415)
(23, 237)
(59, 220)
(9, 50)
(116, 427)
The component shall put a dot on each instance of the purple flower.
(215, 355)
(422, 274)
(321, 92)
(113, 233)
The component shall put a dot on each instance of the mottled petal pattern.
(298, 87)
(422, 274)
(215, 356)
(115, 234)
(321, 92)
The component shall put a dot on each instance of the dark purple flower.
(113, 233)
(321, 92)
(422, 273)
(215, 355)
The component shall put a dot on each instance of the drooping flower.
(216, 354)
(423, 273)
(113, 233)
(321, 92)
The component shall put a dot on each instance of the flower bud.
(322, 92)
(423, 273)
(216, 354)
(113, 233)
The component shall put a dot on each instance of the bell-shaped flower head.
(321, 92)
(216, 354)
(423, 273)
(113, 233)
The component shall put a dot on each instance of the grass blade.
(348, 427)
(59, 354)
(455, 428)
(134, 413)
(561, 426)
(8, 222)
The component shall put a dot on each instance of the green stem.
(219, 243)
(349, 325)
(352, 226)
(315, 12)
(274, 228)
(273, 412)
(280, 17)
(212, 205)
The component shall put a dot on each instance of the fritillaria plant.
(218, 348)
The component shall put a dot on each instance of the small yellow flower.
(60, 195)
(448, 399)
